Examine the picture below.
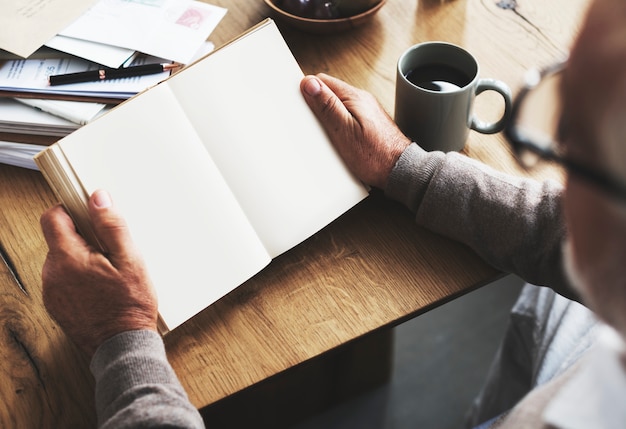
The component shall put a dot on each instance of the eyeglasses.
(536, 128)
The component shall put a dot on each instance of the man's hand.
(94, 296)
(365, 136)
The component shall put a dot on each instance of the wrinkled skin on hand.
(93, 295)
(364, 134)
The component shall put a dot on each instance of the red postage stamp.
(193, 18)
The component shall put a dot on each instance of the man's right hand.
(364, 134)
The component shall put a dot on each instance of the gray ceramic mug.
(436, 85)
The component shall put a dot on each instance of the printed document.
(107, 55)
(31, 77)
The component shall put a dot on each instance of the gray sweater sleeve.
(515, 224)
(137, 387)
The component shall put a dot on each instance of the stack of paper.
(19, 154)
(29, 78)
(171, 29)
(67, 36)
(110, 31)
(17, 118)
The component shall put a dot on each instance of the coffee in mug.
(438, 78)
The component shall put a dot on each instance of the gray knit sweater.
(514, 224)
(137, 388)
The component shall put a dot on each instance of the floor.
(440, 360)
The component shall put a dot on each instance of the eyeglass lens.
(539, 118)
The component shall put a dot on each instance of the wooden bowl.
(324, 26)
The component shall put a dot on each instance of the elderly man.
(572, 240)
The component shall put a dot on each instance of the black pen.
(110, 73)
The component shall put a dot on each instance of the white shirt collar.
(595, 397)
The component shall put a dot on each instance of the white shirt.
(595, 397)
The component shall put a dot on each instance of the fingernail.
(102, 199)
(312, 86)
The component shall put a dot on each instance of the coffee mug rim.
(416, 46)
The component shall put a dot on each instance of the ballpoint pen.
(110, 73)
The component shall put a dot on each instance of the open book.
(217, 170)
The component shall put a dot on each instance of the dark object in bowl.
(314, 9)
(322, 25)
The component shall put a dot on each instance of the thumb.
(109, 225)
(325, 103)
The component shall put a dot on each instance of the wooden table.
(366, 272)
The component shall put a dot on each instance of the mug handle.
(503, 89)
